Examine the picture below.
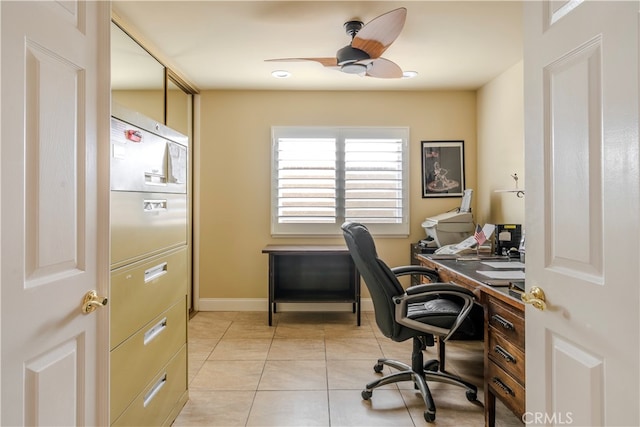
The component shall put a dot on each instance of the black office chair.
(421, 312)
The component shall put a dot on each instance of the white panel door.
(54, 195)
(582, 212)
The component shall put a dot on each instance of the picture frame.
(442, 169)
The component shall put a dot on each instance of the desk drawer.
(145, 289)
(507, 321)
(506, 355)
(507, 389)
(159, 397)
(135, 362)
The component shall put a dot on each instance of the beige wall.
(501, 148)
(234, 176)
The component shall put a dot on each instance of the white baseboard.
(262, 304)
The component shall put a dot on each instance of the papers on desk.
(504, 264)
(503, 274)
(504, 270)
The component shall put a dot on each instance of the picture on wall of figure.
(442, 168)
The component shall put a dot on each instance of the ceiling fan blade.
(376, 36)
(384, 69)
(327, 62)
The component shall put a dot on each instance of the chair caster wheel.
(429, 416)
(432, 366)
(378, 367)
(366, 394)
(472, 396)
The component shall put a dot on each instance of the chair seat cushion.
(443, 313)
(438, 312)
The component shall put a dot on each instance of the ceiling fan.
(368, 42)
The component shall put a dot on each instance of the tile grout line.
(264, 364)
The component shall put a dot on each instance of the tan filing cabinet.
(149, 256)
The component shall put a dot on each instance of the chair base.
(419, 377)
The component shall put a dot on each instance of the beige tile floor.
(308, 369)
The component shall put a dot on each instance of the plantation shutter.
(322, 177)
(306, 181)
(373, 180)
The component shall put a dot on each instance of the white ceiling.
(223, 44)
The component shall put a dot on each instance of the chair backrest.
(380, 280)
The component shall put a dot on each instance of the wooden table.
(504, 354)
(312, 274)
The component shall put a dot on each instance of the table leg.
(489, 408)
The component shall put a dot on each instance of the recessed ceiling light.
(280, 74)
(409, 74)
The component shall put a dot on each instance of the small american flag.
(479, 235)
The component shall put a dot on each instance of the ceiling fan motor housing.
(349, 54)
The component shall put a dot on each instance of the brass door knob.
(535, 297)
(92, 301)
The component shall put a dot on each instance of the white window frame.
(340, 133)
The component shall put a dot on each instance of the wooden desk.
(312, 274)
(504, 375)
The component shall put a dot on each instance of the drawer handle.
(155, 178)
(502, 321)
(503, 386)
(155, 390)
(155, 330)
(154, 205)
(155, 272)
(505, 354)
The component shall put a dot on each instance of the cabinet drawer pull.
(505, 354)
(155, 178)
(503, 386)
(155, 330)
(154, 390)
(155, 272)
(502, 321)
(154, 205)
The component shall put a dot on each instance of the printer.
(450, 227)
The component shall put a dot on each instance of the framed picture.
(442, 168)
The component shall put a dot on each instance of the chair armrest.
(416, 270)
(431, 288)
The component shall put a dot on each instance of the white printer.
(450, 227)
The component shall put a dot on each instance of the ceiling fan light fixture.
(409, 74)
(354, 68)
(281, 74)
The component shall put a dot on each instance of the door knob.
(92, 301)
(535, 297)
